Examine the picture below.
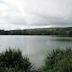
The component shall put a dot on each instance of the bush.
(13, 61)
(58, 61)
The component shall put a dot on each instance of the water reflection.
(35, 47)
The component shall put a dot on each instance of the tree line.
(40, 31)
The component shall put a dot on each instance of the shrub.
(58, 61)
(13, 61)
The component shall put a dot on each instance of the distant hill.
(67, 31)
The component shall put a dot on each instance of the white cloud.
(25, 13)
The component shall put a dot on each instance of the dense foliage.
(58, 61)
(40, 31)
(13, 61)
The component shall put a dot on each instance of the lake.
(35, 47)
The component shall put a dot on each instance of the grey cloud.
(18, 21)
(2, 1)
(46, 12)
(52, 21)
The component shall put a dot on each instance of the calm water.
(35, 47)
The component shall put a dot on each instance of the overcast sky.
(19, 14)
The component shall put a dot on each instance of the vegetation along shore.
(58, 60)
(66, 31)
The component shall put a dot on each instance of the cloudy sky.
(20, 14)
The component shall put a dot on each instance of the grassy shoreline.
(59, 60)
